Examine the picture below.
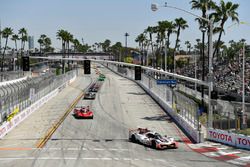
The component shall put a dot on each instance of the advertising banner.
(233, 139)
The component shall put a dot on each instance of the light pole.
(203, 30)
(244, 117)
(0, 39)
(154, 7)
(244, 124)
(126, 49)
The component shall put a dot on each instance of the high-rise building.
(31, 42)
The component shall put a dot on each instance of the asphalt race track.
(120, 105)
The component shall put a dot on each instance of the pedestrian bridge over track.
(95, 55)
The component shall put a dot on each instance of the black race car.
(89, 95)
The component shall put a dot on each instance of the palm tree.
(47, 43)
(140, 39)
(15, 38)
(222, 13)
(40, 41)
(116, 50)
(204, 6)
(156, 31)
(5, 33)
(188, 44)
(61, 35)
(180, 24)
(76, 44)
(24, 38)
(150, 31)
(170, 30)
(68, 38)
(163, 26)
(106, 45)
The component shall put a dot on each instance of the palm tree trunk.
(23, 45)
(63, 56)
(218, 41)
(142, 58)
(176, 43)
(16, 45)
(168, 43)
(68, 53)
(14, 64)
(4, 54)
(153, 58)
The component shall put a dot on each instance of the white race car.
(151, 139)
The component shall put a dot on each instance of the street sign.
(166, 81)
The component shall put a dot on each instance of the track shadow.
(133, 93)
(73, 115)
(159, 118)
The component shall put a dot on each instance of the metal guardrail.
(11, 75)
(19, 95)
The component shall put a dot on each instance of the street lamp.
(154, 7)
(0, 38)
(203, 30)
(126, 36)
(243, 87)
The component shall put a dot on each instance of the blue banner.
(166, 81)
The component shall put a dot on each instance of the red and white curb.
(222, 153)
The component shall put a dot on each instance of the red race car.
(83, 112)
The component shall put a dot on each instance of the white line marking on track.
(106, 159)
(90, 158)
(223, 148)
(97, 149)
(236, 162)
(212, 154)
(246, 159)
(76, 149)
(75, 158)
(161, 160)
(228, 153)
(113, 149)
(73, 149)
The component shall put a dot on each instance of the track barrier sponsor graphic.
(232, 139)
